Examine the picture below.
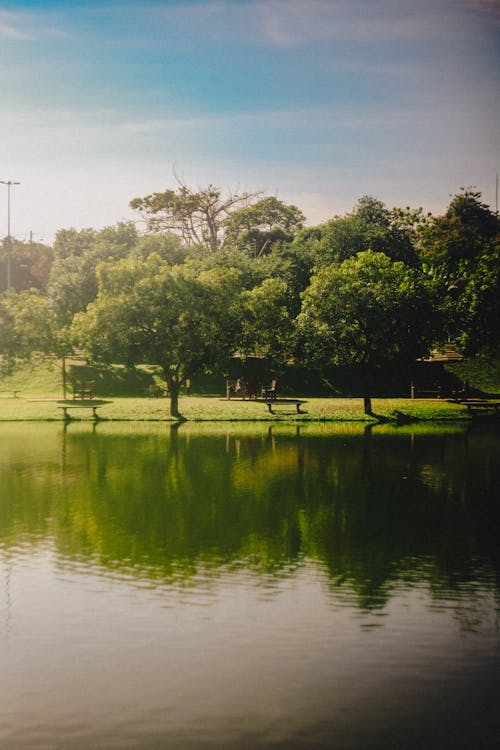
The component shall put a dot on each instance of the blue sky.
(316, 101)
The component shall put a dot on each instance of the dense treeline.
(216, 274)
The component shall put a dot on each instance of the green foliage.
(258, 227)
(147, 312)
(461, 254)
(266, 326)
(30, 264)
(73, 281)
(367, 310)
(371, 226)
(198, 217)
(27, 325)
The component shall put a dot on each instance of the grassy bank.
(215, 409)
(127, 389)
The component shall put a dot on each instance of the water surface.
(248, 587)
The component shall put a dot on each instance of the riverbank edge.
(213, 409)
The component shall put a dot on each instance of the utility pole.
(8, 183)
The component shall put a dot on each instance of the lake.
(245, 586)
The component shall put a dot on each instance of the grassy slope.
(127, 390)
(481, 372)
(217, 409)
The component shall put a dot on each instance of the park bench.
(476, 405)
(268, 392)
(83, 390)
(10, 390)
(95, 404)
(435, 392)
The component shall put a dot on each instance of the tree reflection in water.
(378, 509)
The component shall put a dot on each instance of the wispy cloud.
(25, 27)
(11, 26)
(293, 23)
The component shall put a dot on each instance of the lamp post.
(8, 183)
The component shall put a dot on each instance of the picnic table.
(475, 405)
(93, 404)
(272, 402)
(10, 390)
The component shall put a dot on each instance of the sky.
(318, 102)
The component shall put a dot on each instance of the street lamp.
(8, 183)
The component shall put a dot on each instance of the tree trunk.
(174, 386)
(64, 387)
(367, 405)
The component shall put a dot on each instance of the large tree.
(30, 264)
(371, 226)
(148, 312)
(27, 327)
(73, 282)
(266, 328)
(257, 227)
(367, 311)
(460, 251)
(198, 216)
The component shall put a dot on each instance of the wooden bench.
(268, 392)
(10, 390)
(94, 405)
(426, 392)
(83, 390)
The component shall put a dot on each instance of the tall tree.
(198, 216)
(73, 282)
(460, 252)
(367, 311)
(257, 227)
(266, 327)
(27, 326)
(371, 226)
(148, 312)
(30, 264)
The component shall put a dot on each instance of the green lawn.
(127, 389)
(217, 409)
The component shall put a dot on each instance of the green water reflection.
(376, 509)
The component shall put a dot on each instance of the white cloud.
(24, 27)
(10, 24)
(294, 23)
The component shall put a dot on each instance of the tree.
(27, 326)
(371, 226)
(257, 227)
(480, 305)
(460, 253)
(199, 217)
(147, 312)
(266, 325)
(30, 264)
(73, 282)
(369, 311)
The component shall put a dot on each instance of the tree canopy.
(369, 311)
(217, 273)
(198, 216)
(147, 312)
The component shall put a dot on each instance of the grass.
(482, 372)
(127, 388)
(215, 409)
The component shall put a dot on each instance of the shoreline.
(39, 408)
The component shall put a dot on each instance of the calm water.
(238, 587)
